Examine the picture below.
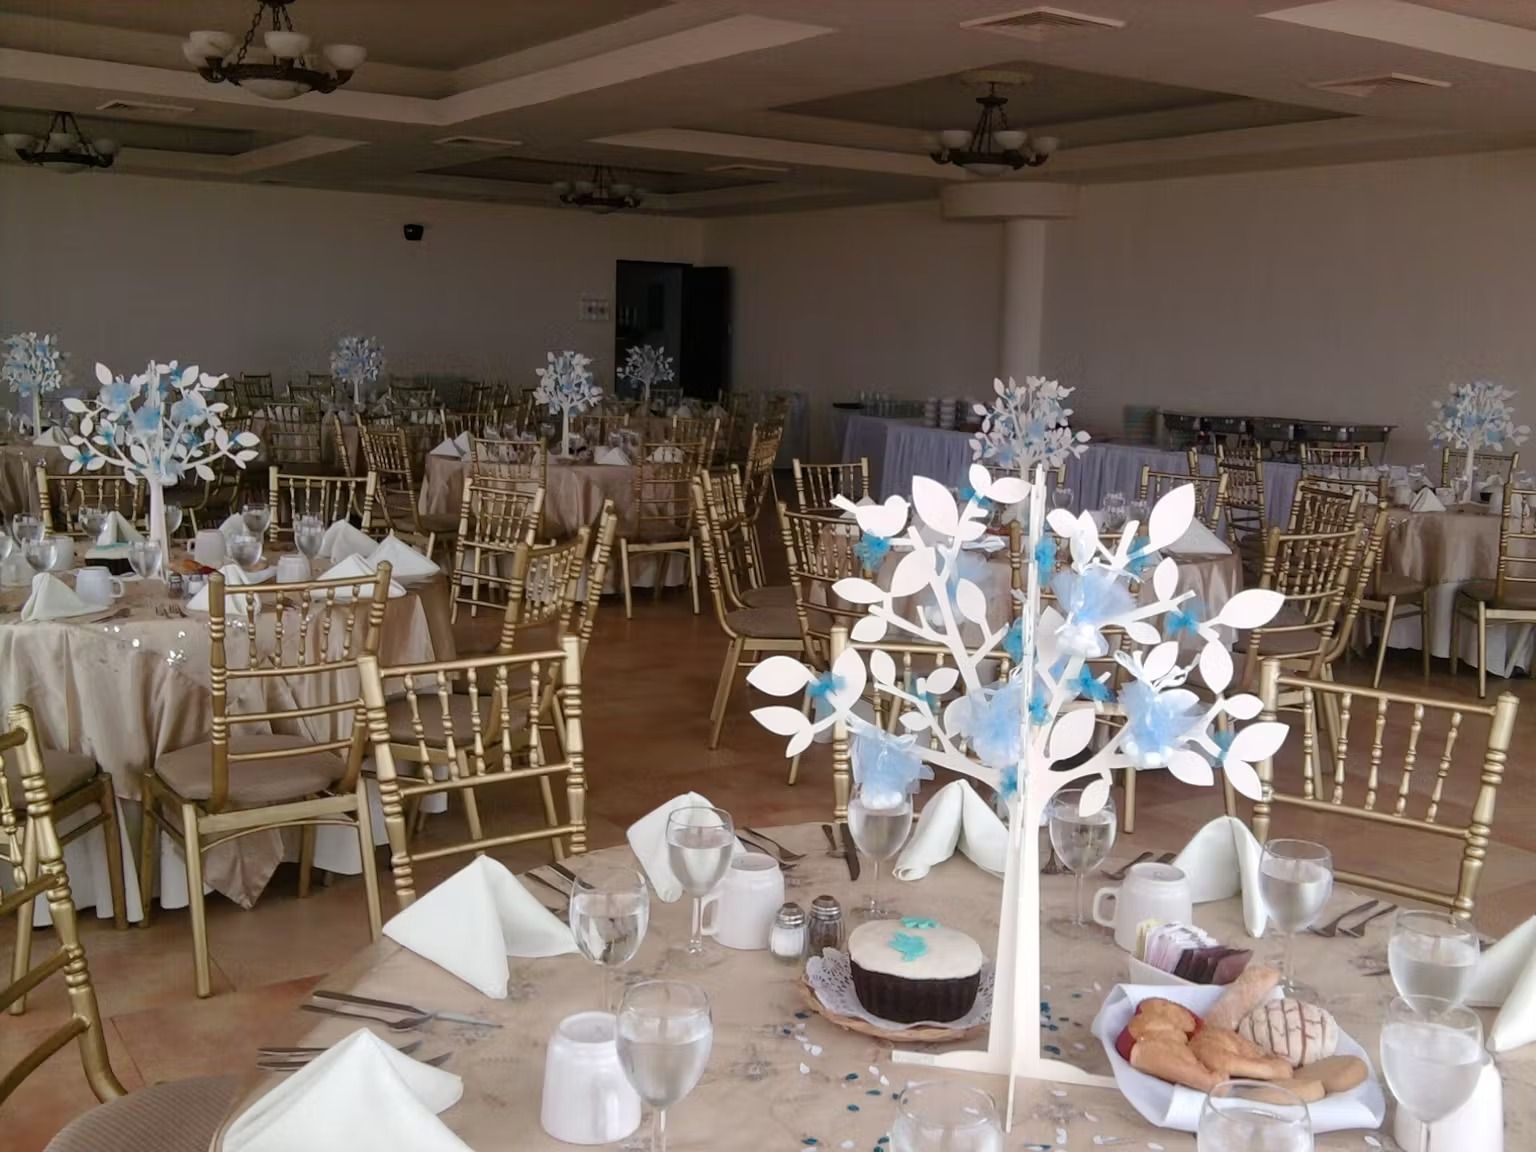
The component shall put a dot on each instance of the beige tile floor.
(650, 682)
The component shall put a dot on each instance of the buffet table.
(782, 1077)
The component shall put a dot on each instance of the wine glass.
(256, 516)
(609, 912)
(42, 553)
(1431, 1055)
(1417, 477)
(1432, 954)
(144, 558)
(92, 519)
(1139, 511)
(700, 841)
(1295, 880)
(1061, 497)
(1253, 1116)
(308, 533)
(1081, 843)
(879, 829)
(26, 529)
(1113, 511)
(664, 1037)
(944, 1116)
(245, 549)
(173, 517)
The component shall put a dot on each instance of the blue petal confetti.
(1039, 708)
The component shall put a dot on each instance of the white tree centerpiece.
(157, 426)
(1477, 416)
(1012, 733)
(1027, 425)
(565, 386)
(358, 362)
(647, 365)
(33, 366)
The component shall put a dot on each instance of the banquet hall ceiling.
(737, 106)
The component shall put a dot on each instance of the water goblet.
(1139, 511)
(1253, 1116)
(256, 516)
(92, 519)
(245, 549)
(1431, 1055)
(26, 529)
(1432, 954)
(610, 910)
(308, 534)
(665, 1034)
(42, 553)
(144, 558)
(700, 842)
(1295, 881)
(1081, 843)
(880, 824)
(1113, 512)
(1061, 497)
(173, 517)
(944, 1116)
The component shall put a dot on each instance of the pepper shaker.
(826, 927)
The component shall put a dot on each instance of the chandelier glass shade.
(290, 72)
(63, 148)
(602, 193)
(992, 148)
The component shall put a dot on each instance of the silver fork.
(763, 850)
(1358, 930)
(785, 855)
(1119, 873)
(403, 1024)
(294, 1055)
(1331, 928)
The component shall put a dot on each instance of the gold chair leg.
(693, 575)
(1426, 632)
(306, 858)
(629, 602)
(194, 854)
(1386, 630)
(370, 863)
(723, 692)
(471, 801)
(794, 764)
(21, 962)
(1482, 650)
(149, 851)
(111, 830)
(1455, 636)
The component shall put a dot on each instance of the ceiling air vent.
(478, 143)
(1040, 24)
(145, 108)
(1363, 86)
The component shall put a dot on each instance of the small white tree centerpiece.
(647, 365)
(1027, 425)
(1011, 734)
(33, 366)
(156, 426)
(565, 386)
(358, 362)
(1476, 416)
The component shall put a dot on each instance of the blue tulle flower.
(1090, 687)
(1045, 554)
(1223, 742)
(995, 726)
(118, 394)
(823, 686)
(872, 551)
(1090, 600)
(1013, 641)
(1185, 620)
(886, 768)
(1007, 785)
(970, 495)
(1039, 708)
(1141, 559)
(1155, 723)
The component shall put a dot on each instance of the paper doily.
(830, 980)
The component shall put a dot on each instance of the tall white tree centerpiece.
(358, 362)
(1476, 417)
(565, 386)
(33, 367)
(157, 426)
(1011, 733)
(1027, 425)
(647, 365)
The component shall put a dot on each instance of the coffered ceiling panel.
(530, 170)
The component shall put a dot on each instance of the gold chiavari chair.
(1210, 492)
(1247, 524)
(345, 461)
(751, 632)
(663, 518)
(1393, 596)
(421, 428)
(1321, 506)
(1333, 456)
(665, 399)
(596, 425)
(387, 450)
(254, 390)
(735, 531)
(312, 394)
(60, 497)
(459, 423)
(517, 462)
(406, 395)
(1510, 597)
(1402, 722)
(1453, 465)
(494, 519)
(331, 498)
(696, 430)
(816, 484)
(503, 694)
(293, 437)
(281, 658)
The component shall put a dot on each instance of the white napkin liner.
(955, 817)
(1506, 979)
(355, 566)
(341, 540)
(117, 530)
(405, 562)
(647, 838)
(1221, 861)
(52, 599)
(1198, 540)
(830, 976)
(1426, 501)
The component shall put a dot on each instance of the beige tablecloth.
(781, 1077)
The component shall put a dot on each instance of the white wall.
(1349, 292)
(250, 278)
(887, 298)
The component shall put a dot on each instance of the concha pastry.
(1297, 1032)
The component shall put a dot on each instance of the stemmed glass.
(1432, 954)
(1081, 843)
(1295, 880)
(308, 534)
(1248, 1115)
(245, 549)
(92, 519)
(1139, 511)
(256, 516)
(26, 530)
(1431, 1055)
(1114, 511)
(879, 830)
(1061, 497)
(610, 910)
(943, 1116)
(173, 517)
(664, 1037)
(144, 558)
(41, 553)
(700, 841)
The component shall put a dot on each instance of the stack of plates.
(949, 409)
(931, 411)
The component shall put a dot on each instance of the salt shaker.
(786, 939)
(826, 928)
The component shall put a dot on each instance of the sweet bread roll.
(1172, 1060)
(1231, 1057)
(1159, 1015)
(1333, 1074)
(1297, 1032)
(1242, 996)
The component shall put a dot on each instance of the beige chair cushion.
(769, 596)
(64, 771)
(764, 623)
(1282, 643)
(1396, 584)
(181, 1116)
(442, 523)
(1521, 595)
(461, 710)
(252, 783)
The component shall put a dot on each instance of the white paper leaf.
(856, 590)
(971, 601)
(1062, 522)
(1165, 581)
(1243, 707)
(1190, 767)
(247, 439)
(913, 572)
(781, 719)
(935, 505)
(779, 676)
(882, 667)
(1142, 632)
(1095, 796)
(1171, 516)
(957, 714)
(103, 373)
(1251, 608)
(1258, 741)
(848, 672)
(1008, 490)
(980, 479)
(914, 721)
(800, 741)
(1243, 778)
(971, 529)
(73, 405)
(870, 630)
(942, 680)
(1160, 661)
(204, 472)
(1071, 733)
(1216, 667)
(882, 519)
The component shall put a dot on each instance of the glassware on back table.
(700, 842)
(1432, 954)
(1113, 512)
(665, 1034)
(42, 553)
(245, 549)
(145, 559)
(609, 911)
(1253, 1116)
(1061, 497)
(172, 519)
(1081, 843)
(945, 1116)
(1295, 880)
(257, 517)
(308, 535)
(879, 833)
(92, 519)
(1431, 1055)
(26, 529)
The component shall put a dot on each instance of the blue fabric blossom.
(1155, 723)
(886, 768)
(1090, 687)
(995, 726)
(872, 551)
(1141, 559)
(119, 394)
(1090, 600)
(191, 409)
(1045, 554)
(1186, 619)
(823, 686)
(146, 419)
(1039, 708)
(970, 495)
(1013, 641)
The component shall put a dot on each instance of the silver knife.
(850, 852)
(402, 1009)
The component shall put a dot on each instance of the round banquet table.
(781, 1077)
(128, 689)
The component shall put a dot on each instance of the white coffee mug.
(740, 911)
(1148, 892)
(292, 569)
(96, 585)
(587, 1098)
(210, 548)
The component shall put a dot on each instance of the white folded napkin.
(1426, 501)
(52, 599)
(404, 561)
(1198, 540)
(1221, 860)
(648, 840)
(471, 922)
(667, 454)
(684, 410)
(117, 530)
(611, 456)
(955, 817)
(234, 525)
(363, 1093)
(50, 438)
(341, 539)
(233, 575)
(354, 567)
(461, 442)
(449, 449)
(1506, 979)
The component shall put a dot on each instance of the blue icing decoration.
(918, 922)
(910, 947)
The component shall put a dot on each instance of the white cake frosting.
(946, 953)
